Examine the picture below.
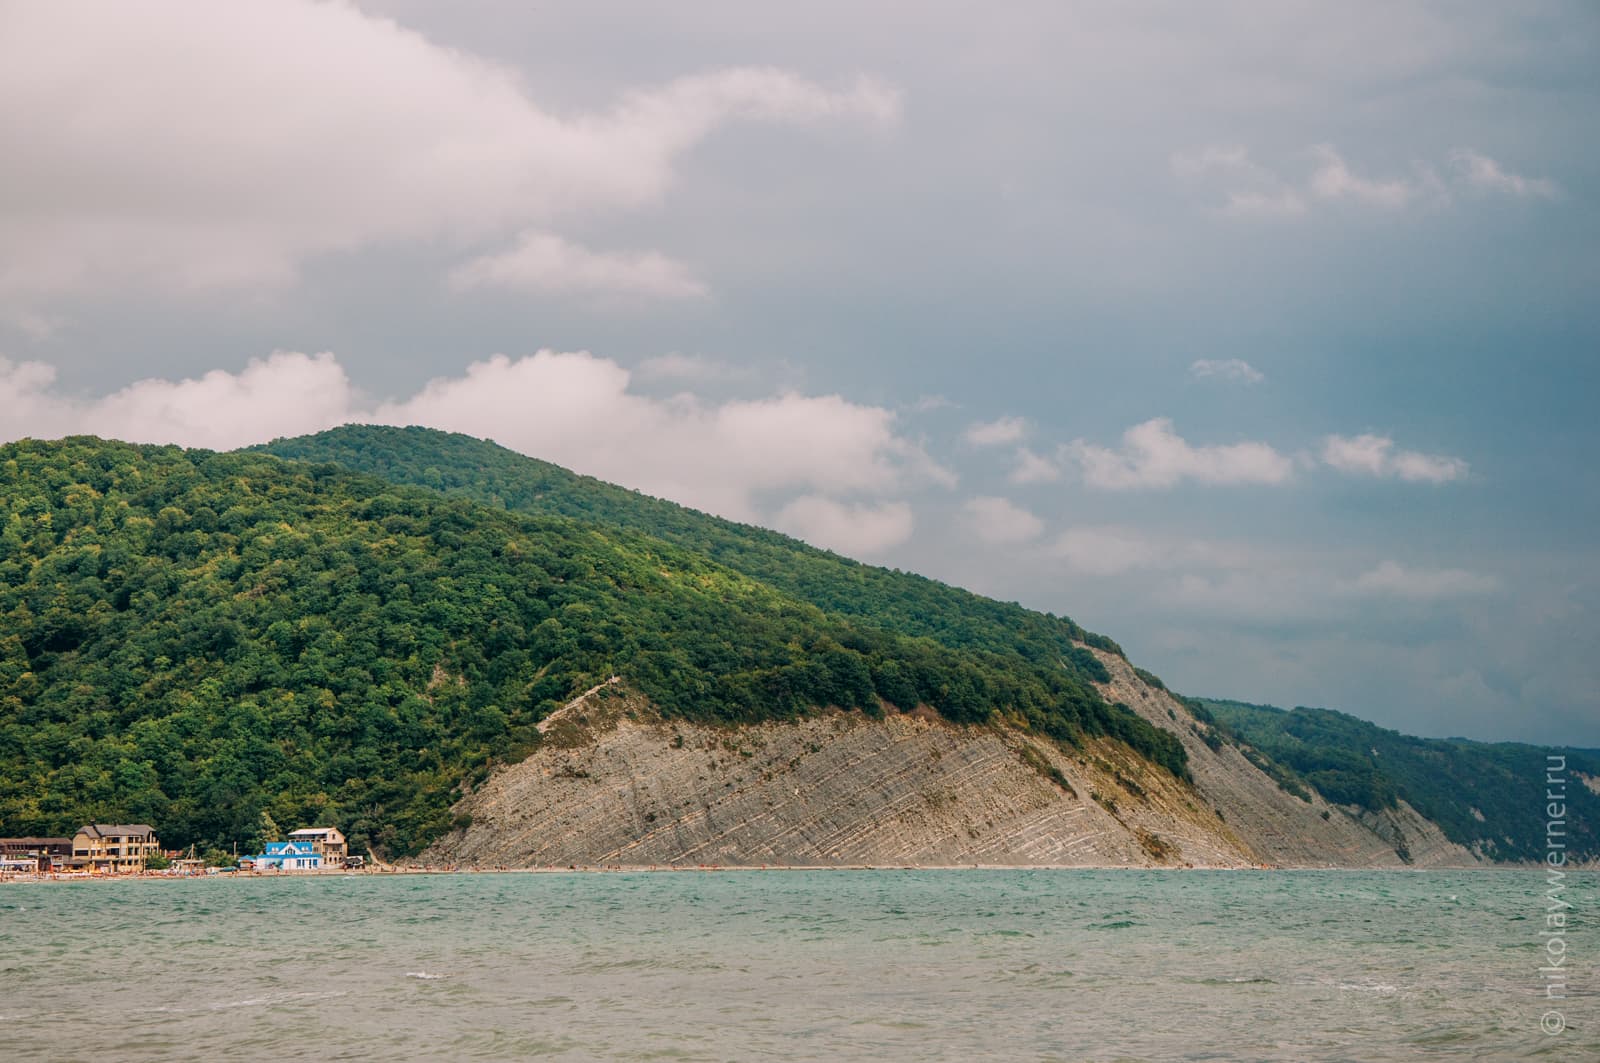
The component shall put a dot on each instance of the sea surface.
(805, 965)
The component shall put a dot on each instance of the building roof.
(118, 830)
(279, 858)
(10, 842)
(313, 832)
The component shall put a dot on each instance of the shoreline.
(630, 869)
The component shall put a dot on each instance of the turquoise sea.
(813, 965)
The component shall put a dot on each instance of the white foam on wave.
(269, 1000)
(247, 1002)
(423, 975)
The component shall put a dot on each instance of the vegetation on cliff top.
(194, 639)
(1490, 797)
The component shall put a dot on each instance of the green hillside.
(1447, 781)
(888, 599)
(195, 639)
(1491, 797)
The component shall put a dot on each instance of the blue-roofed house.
(286, 856)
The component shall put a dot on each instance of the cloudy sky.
(1263, 338)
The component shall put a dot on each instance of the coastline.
(389, 871)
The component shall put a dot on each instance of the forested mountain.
(353, 626)
(1452, 782)
(195, 639)
(889, 599)
(1492, 798)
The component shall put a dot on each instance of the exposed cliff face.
(1279, 828)
(615, 784)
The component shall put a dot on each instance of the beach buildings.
(308, 849)
(285, 856)
(38, 854)
(326, 842)
(126, 848)
(114, 847)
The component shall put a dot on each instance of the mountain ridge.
(380, 626)
(500, 476)
(215, 641)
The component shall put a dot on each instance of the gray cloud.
(1391, 577)
(230, 165)
(1050, 202)
(1249, 188)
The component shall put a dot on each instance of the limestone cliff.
(1279, 828)
(615, 784)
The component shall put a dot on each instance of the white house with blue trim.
(286, 856)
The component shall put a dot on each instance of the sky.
(1262, 338)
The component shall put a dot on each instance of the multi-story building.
(114, 847)
(326, 842)
(284, 856)
(43, 853)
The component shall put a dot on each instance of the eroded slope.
(1279, 828)
(616, 784)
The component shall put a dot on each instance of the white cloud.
(544, 262)
(1428, 468)
(1250, 188)
(1367, 454)
(1001, 522)
(183, 144)
(1334, 179)
(1375, 455)
(576, 410)
(997, 432)
(847, 529)
(1393, 579)
(573, 409)
(1033, 468)
(1228, 369)
(1153, 455)
(284, 394)
(1482, 172)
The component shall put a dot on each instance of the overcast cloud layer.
(1260, 338)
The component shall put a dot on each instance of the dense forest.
(1491, 797)
(207, 642)
(888, 599)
